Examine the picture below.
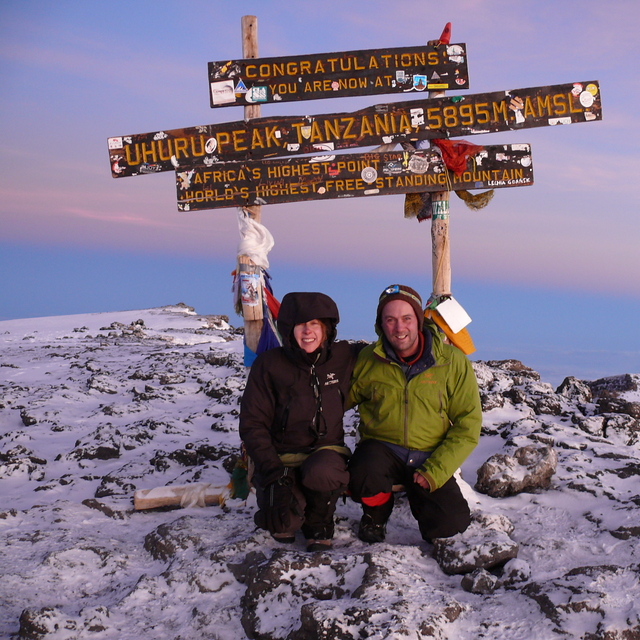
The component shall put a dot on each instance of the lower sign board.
(395, 122)
(236, 184)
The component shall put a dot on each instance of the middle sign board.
(396, 122)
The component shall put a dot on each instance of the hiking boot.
(369, 531)
(318, 545)
(284, 538)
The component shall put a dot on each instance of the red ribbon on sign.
(455, 153)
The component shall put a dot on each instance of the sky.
(548, 273)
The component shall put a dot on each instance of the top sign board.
(405, 70)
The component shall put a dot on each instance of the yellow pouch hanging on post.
(462, 339)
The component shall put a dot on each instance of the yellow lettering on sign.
(332, 129)
(528, 108)
(316, 134)
(433, 58)
(365, 127)
(169, 150)
(450, 114)
(572, 98)
(271, 136)
(256, 139)
(381, 123)
(193, 147)
(500, 108)
(349, 122)
(239, 143)
(559, 104)
(378, 82)
(419, 59)
(180, 146)
(482, 110)
(544, 104)
(305, 66)
(149, 152)
(319, 68)
(405, 123)
(373, 63)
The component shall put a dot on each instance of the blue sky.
(549, 273)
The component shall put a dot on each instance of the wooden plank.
(235, 184)
(393, 123)
(196, 494)
(336, 75)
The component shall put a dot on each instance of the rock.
(342, 597)
(171, 378)
(514, 571)
(103, 384)
(621, 428)
(36, 624)
(485, 544)
(580, 599)
(479, 581)
(515, 366)
(614, 386)
(528, 470)
(491, 401)
(20, 462)
(27, 419)
(50, 622)
(576, 390)
(618, 405)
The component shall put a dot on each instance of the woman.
(291, 422)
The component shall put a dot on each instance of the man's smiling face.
(400, 327)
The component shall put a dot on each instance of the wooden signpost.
(260, 161)
(397, 122)
(238, 184)
(335, 75)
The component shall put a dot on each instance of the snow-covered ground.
(95, 407)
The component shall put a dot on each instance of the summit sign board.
(396, 122)
(260, 182)
(407, 70)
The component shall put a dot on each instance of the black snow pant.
(374, 469)
(319, 482)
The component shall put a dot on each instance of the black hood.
(300, 307)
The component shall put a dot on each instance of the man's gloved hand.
(275, 516)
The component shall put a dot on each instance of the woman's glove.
(275, 516)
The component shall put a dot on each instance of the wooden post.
(252, 313)
(441, 255)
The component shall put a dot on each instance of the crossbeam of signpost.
(444, 117)
(236, 184)
(338, 74)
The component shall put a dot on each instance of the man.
(420, 418)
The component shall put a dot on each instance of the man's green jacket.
(437, 411)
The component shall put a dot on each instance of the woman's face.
(310, 335)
